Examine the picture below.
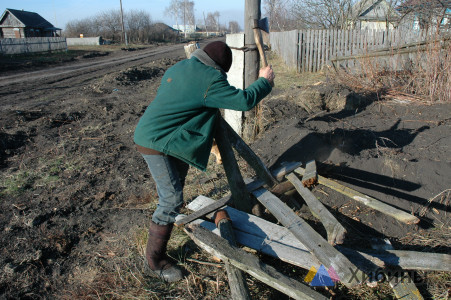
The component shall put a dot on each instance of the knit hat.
(220, 53)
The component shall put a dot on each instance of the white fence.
(31, 45)
(89, 41)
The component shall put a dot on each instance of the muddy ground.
(76, 198)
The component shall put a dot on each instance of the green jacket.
(181, 120)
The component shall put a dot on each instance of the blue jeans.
(169, 174)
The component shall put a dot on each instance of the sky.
(60, 12)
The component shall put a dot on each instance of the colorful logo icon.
(321, 277)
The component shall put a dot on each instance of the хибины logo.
(321, 277)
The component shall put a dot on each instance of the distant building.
(186, 28)
(24, 24)
(374, 14)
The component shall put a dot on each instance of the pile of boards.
(219, 229)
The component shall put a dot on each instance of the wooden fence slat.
(314, 242)
(336, 43)
(328, 46)
(310, 51)
(302, 50)
(279, 242)
(323, 49)
(346, 41)
(250, 264)
(315, 50)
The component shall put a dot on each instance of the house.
(23, 24)
(422, 14)
(186, 28)
(374, 14)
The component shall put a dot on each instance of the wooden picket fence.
(311, 50)
(31, 45)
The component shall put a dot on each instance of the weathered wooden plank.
(250, 264)
(279, 173)
(279, 242)
(204, 211)
(324, 252)
(324, 47)
(366, 200)
(310, 50)
(316, 51)
(346, 42)
(301, 50)
(335, 231)
(289, 254)
(243, 222)
(335, 53)
(237, 280)
(247, 153)
(402, 285)
(310, 176)
(408, 260)
(319, 50)
(240, 196)
(328, 46)
(340, 43)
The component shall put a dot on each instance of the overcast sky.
(60, 12)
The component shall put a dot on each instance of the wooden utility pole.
(184, 17)
(252, 11)
(124, 34)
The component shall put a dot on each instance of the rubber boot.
(157, 259)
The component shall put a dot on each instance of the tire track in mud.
(89, 67)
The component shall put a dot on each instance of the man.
(177, 130)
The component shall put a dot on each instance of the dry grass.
(287, 77)
(425, 76)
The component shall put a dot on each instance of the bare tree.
(110, 24)
(174, 10)
(342, 14)
(137, 24)
(182, 10)
(189, 12)
(213, 21)
(234, 27)
(323, 13)
(426, 14)
(279, 14)
(75, 28)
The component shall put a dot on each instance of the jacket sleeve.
(221, 94)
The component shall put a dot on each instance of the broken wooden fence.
(311, 49)
(296, 243)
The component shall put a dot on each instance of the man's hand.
(267, 73)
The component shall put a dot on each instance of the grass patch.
(17, 183)
(287, 77)
(46, 174)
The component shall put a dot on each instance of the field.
(76, 198)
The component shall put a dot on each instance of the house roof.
(367, 10)
(30, 19)
(363, 6)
